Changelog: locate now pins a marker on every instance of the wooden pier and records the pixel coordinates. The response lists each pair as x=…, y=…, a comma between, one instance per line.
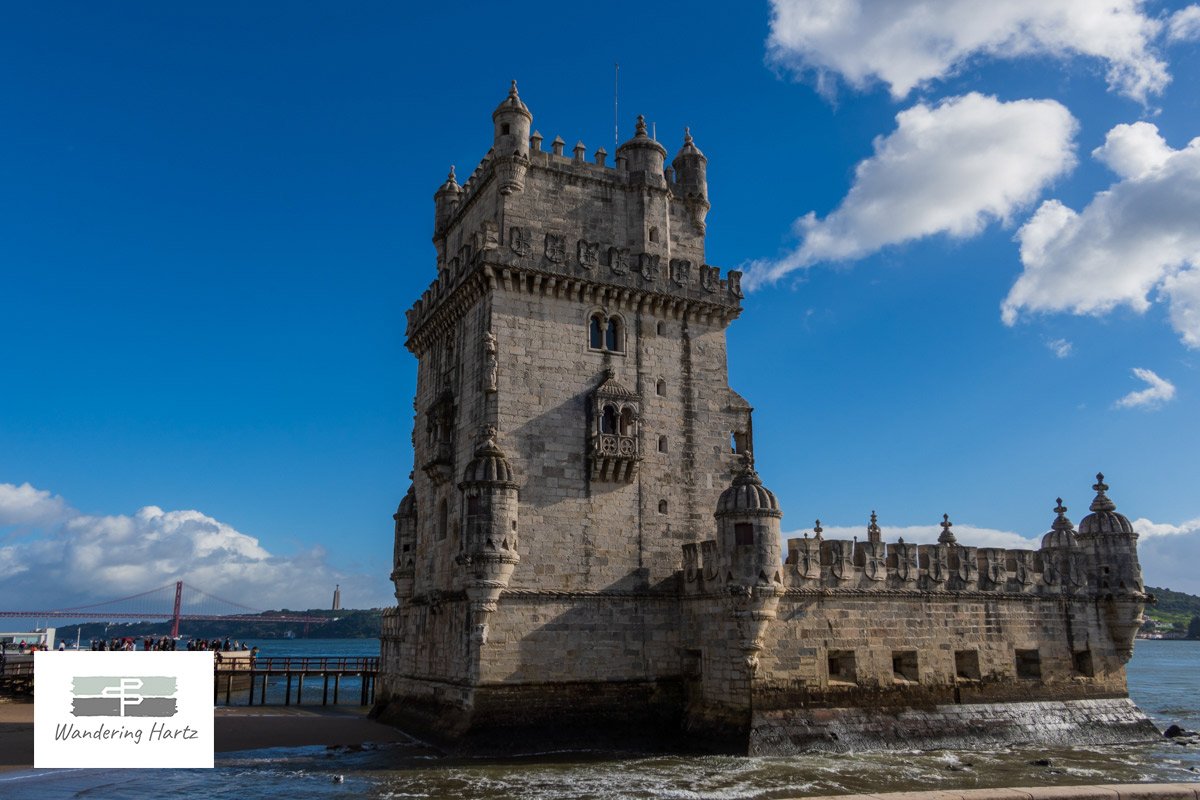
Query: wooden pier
x=230, y=680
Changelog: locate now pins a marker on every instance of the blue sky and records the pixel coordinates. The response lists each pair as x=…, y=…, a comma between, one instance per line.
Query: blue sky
x=971, y=233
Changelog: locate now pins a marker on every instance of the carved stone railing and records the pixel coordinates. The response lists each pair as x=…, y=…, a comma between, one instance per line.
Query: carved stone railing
x=614, y=457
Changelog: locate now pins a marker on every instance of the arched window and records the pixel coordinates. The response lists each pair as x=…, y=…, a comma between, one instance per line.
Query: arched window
x=608, y=420
x=662, y=506
x=443, y=519
x=743, y=534
x=660, y=328
x=662, y=444
x=627, y=422
x=614, y=336
x=596, y=332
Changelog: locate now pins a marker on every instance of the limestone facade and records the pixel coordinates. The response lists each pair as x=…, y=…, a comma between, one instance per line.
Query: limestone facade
x=586, y=547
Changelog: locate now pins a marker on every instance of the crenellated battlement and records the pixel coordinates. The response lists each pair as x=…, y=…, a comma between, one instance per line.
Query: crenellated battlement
x=527, y=216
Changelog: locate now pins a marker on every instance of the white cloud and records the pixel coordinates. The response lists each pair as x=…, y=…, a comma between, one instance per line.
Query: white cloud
x=1184, y=25
x=1136, y=239
x=75, y=559
x=1060, y=347
x=1147, y=529
x=1157, y=391
x=25, y=505
x=967, y=535
x=950, y=168
x=907, y=43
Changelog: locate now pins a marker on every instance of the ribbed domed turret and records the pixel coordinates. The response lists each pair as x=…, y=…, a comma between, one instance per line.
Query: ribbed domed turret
x=1061, y=535
x=408, y=506
x=687, y=152
x=1104, y=517
x=511, y=104
x=489, y=466
x=747, y=495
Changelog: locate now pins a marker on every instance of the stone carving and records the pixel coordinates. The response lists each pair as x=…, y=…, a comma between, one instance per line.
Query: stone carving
x=491, y=362
x=735, y=284
x=681, y=271
x=968, y=564
x=589, y=254
x=808, y=558
x=488, y=237
x=841, y=561
x=994, y=570
x=1024, y=570
x=938, y=568
x=520, y=241
x=691, y=562
x=618, y=260
x=906, y=562
x=875, y=562
x=556, y=248
x=710, y=560
x=710, y=278
x=648, y=266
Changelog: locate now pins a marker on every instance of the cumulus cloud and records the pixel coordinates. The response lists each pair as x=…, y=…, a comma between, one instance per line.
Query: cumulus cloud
x=1158, y=391
x=907, y=43
x=1134, y=242
x=950, y=168
x=1184, y=25
x=24, y=505
x=72, y=559
x=1060, y=347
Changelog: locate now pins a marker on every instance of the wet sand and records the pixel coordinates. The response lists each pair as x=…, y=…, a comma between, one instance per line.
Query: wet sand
x=236, y=729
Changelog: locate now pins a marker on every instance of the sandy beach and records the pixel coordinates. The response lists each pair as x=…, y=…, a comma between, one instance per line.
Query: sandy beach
x=236, y=729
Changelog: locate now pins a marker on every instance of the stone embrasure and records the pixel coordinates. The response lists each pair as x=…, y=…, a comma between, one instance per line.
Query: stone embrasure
x=587, y=553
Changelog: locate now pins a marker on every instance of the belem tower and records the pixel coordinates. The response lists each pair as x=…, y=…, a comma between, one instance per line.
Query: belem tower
x=586, y=552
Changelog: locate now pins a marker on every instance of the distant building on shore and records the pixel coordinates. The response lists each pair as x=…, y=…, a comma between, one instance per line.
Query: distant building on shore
x=337, y=597
x=587, y=550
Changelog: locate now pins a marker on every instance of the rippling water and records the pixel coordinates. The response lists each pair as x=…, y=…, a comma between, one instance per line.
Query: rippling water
x=1162, y=680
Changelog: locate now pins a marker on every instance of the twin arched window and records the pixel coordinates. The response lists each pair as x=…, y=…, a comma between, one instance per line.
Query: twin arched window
x=622, y=422
x=606, y=333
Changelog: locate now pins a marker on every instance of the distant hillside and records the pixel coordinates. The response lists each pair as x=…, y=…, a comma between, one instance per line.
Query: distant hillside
x=344, y=624
x=1176, y=608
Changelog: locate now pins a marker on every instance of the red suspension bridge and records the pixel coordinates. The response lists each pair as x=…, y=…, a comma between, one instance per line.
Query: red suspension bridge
x=154, y=605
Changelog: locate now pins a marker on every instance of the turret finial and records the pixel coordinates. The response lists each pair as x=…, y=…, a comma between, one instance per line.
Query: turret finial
x=1061, y=523
x=687, y=135
x=1102, y=501
x=817, y=530
x=873, y=531
x=946, y=537
x=512, y=92
x=450, y=178
x=640, y=130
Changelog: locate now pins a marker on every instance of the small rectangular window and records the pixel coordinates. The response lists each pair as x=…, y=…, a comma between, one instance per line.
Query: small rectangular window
x=904, y=666
x=743, y=533
x=1029, y=664
x=966, y=665
x=842, y=666
x=473, y=505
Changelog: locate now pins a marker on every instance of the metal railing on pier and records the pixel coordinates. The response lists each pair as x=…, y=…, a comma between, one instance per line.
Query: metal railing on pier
x=233, y=677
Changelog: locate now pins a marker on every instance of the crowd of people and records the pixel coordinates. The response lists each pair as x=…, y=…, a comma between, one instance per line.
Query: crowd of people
x=166, y=643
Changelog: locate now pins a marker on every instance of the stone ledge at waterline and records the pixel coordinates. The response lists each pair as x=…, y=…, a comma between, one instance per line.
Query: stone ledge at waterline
x=1116, y=791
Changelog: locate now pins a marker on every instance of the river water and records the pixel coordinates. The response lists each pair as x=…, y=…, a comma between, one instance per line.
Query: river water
x=1162, y=680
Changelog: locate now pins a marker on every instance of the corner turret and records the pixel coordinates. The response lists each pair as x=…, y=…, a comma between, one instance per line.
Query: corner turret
x=404, y=545
x=748, y=529
x=643, y=155
x=510, y=145
x=490, y=540
x=445, y=203
x=1110, y=542
x=691, y=179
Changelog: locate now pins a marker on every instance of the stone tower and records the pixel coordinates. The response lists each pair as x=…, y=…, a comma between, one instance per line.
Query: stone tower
x=586, y=553
x=573, y=428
